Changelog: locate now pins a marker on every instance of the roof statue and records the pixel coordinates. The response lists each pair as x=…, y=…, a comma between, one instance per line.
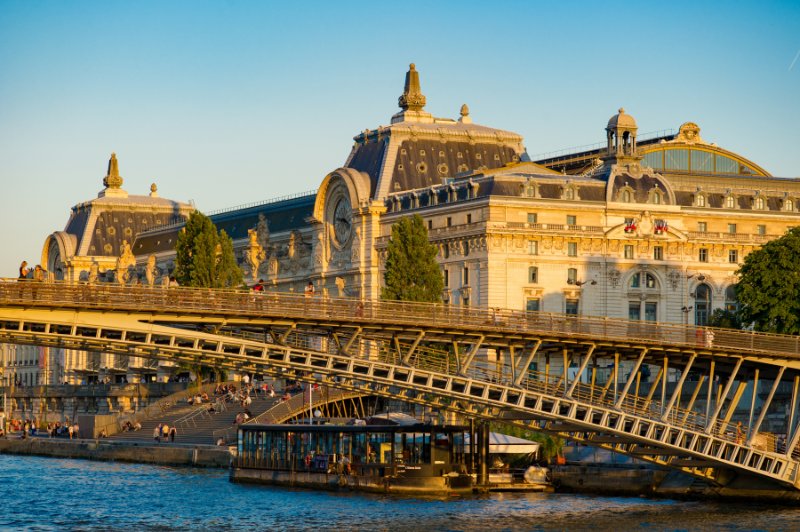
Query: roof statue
x=112, y=178
x=153, y=191
x=412, y=98
x=465, y=119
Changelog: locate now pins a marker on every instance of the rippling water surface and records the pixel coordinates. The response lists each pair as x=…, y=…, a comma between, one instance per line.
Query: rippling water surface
x=50, y=494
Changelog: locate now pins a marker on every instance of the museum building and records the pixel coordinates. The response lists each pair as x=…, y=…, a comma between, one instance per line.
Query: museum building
x=647, y=228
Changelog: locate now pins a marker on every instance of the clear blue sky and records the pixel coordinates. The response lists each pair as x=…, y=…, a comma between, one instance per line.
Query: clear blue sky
x=231, y=102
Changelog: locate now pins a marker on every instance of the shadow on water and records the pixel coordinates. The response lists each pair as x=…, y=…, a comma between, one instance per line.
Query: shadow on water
x=49, y=494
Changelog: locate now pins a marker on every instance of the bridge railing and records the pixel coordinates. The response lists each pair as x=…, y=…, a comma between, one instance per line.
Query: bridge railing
x=291, y=305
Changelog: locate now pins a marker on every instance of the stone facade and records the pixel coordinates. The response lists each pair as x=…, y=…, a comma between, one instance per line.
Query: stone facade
x=650, y=229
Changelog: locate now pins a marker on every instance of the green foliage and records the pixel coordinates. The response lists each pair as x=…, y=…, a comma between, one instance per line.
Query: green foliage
x=412, y=273
x=769, y=286
x=725, y=319
x=551, y=446
x=204, y=257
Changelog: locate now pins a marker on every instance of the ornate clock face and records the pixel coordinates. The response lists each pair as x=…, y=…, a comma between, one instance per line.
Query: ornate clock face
x=342, y=223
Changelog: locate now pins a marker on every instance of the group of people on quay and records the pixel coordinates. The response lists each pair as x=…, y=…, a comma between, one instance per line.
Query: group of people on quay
x=165, y=432
x=30, y=428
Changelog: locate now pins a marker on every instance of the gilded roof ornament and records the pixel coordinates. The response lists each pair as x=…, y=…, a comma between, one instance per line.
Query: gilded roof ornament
x=112, y=178
x=412, y=98
x=153, y=191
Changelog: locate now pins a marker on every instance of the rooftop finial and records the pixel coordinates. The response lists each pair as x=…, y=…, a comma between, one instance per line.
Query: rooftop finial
x=153, y=191
x=412, y=98
x=465, y=119
x=112, y=178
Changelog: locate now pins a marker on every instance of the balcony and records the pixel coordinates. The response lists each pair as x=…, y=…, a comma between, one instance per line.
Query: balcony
x=751, y=238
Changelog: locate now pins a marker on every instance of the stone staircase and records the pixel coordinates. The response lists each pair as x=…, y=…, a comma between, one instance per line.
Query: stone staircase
x=194, y=424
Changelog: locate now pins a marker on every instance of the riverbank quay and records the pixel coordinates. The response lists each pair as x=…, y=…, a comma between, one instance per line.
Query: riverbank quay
x=167, y=454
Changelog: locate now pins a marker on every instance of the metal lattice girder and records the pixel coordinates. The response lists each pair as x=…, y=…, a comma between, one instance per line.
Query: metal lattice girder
x=158, y=327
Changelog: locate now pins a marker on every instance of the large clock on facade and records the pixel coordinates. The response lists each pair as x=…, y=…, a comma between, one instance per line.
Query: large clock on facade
x=342, y=221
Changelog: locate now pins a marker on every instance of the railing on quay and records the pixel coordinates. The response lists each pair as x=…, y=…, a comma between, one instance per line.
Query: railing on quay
x=108, y=296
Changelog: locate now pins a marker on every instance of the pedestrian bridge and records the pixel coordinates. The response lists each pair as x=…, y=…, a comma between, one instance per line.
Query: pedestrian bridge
x=660, y=392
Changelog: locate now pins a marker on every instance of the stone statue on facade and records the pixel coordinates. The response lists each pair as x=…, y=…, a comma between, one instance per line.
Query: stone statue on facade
x=255, y=253
x=125, y=262
x=150, y=270
x=340, y=284
x=94, y=271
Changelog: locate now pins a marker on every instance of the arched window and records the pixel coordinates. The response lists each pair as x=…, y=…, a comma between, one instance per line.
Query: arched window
x=533, y=274
x=657, y=197
x=700, y=200
x=730, y=202
x=626, y=196
x=788, y=205
x=759, y=203
x=569, y=193
x=644, y=280
x=702, y=304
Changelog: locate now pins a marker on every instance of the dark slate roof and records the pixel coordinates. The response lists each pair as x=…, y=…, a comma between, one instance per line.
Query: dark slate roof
x=368, y=158
x=424, y=163
x=112, y=227
x=281, y=216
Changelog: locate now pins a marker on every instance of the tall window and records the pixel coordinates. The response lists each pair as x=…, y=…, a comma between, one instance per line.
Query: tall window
x=702, y=227
x=732, y=229
x=466, y=276
x=532, y=218
x=759, y=203
x=788, y=205
x=569, y=193
x=571, y=219
x=572, y=249
x=449, y=221
x=469, y=218
x=703, y=255
x=628, y=251
x=430, y=225
x=730, y=202
x=572, y=275
x=446, y=277
x=702, y=304
x=733, y=256
x=658, y=253
x=731, y=304
x=533, y=247
x=533, y=274
x=650, y=309
x=626, y=196
x=761, y=229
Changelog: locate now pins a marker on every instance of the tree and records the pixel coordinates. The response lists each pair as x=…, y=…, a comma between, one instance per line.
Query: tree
x=204, y=256
x=769, y=286
x=724, y=319
x=412, y=273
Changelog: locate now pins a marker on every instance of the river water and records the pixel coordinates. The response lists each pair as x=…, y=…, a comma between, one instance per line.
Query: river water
x=54, y=494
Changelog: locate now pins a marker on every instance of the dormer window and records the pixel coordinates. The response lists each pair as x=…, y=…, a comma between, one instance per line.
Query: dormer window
x=656, y=196
x=570, y=193
x=700, y=200
x=730, y=202
x=788, y=204
x=759, y=203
